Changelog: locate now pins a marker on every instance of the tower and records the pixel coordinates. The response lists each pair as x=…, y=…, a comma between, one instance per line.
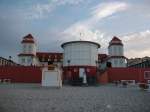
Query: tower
x=80, y=61
x=116, y=53
x=27, y=56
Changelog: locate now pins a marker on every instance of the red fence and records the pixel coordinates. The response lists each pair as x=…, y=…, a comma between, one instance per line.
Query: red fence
x=31, y=74
x=137, y=74
x=23, y=74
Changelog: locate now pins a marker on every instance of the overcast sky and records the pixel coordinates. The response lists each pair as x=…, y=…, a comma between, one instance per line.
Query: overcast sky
x=53, y=22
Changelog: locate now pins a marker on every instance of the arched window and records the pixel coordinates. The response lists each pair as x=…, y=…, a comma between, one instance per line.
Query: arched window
x=24, y=48
x=23, y=60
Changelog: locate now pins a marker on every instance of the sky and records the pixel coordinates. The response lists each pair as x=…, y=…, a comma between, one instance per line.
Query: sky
x=52, y=22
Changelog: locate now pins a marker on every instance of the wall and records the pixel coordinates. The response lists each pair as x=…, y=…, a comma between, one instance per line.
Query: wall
x=21, y=74
x=116, y=50
x=29, y=48
x=117, y=62
x=103, y=79
x=28, y=60
x=31, y=74
x=136, y=74
x=72, y=72
x=80, y=54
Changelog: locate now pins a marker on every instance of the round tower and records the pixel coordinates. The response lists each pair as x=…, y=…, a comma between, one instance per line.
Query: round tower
x=79, y=61
x=28, y=53
x=116, y=53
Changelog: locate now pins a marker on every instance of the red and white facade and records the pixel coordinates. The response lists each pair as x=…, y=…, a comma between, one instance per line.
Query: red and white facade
x=79, y=59
x=116, y=53
x=115, y=56
x=76, y=53
x=28, y=52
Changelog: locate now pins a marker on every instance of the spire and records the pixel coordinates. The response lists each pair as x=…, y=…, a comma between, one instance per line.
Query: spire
x=115, y=41
x=28, y=39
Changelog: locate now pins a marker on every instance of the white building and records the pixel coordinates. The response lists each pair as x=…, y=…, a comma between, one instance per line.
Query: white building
x=76, y=53
x=116, y=53
x=29, y=56
x=116, y=56
x=28, y=52
x=79, y=62
x=80, y=53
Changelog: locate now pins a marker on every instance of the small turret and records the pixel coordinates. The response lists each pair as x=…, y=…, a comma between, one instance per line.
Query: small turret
x=116, y=53
x=115, y=47
x=28, y=54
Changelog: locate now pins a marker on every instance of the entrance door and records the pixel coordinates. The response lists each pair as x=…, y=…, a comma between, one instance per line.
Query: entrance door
x=81, y=72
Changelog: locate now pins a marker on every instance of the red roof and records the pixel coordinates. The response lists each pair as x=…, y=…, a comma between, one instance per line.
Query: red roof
x=28, y=39
x=115, y=41
x=45, y=56
x=29, y=36
x=102, y=57
x=117, y=57
x=23, y=54
x=109, y=57
x=47, y=53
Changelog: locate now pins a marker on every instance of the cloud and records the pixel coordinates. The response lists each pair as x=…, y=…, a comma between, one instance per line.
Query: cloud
x=70, y=2
x=137, y=44
x=87, y=27
x=79, y=31
x=40, y=10
x=107, y=9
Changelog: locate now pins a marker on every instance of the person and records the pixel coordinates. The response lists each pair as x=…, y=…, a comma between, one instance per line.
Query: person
x=84, y=79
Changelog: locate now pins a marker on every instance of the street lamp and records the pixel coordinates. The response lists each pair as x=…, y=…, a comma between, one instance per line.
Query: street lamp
x=10, y=57
x=68, y=61
x=97, y=68
x=68, y=71
x=9, y=60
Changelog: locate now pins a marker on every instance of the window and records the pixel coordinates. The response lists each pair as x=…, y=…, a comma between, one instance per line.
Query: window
x=110, y=50
x=24, y=48
x=115, y=48
x=121, y=61
x=23, y=60
x=147, y=75
x=29, y=60
x=30, y=48
x=115, y=62
x=119, y=49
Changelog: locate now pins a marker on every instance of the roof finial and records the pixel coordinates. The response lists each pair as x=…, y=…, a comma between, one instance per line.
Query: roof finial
x=80, y=36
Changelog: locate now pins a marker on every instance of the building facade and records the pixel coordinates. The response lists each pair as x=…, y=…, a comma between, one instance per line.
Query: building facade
x=139, y=62
x=7, y=62
x=79, y=58
x=116, y=53
x=27, y=56
x=115, y=57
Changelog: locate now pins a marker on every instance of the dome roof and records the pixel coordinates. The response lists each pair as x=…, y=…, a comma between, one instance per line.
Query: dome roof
x=98, y=45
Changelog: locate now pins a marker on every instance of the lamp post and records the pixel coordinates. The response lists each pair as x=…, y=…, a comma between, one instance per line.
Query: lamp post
x=68, y=70
x=97, y=69
x=9, y=60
